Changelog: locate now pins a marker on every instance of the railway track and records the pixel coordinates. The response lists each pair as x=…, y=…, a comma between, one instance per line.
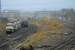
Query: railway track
x=18, y=37
x=66, y=42
x=69, y=41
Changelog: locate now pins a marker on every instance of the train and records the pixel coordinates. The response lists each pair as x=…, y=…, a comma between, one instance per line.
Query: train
x=14, y=24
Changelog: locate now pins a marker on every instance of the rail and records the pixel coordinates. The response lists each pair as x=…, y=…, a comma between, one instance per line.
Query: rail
x=62, y=44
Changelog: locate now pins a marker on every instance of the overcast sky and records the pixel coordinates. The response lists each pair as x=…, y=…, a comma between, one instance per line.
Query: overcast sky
x=32, y=5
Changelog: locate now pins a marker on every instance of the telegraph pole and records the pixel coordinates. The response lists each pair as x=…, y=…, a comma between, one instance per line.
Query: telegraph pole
x=0, y=8
x=0, y=5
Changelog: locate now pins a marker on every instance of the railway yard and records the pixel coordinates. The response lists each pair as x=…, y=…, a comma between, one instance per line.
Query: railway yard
x=37, y=24
x=17, y=39
x=37, y=34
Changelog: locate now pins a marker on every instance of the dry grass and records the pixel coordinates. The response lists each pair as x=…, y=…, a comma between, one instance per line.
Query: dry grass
x=49, y=32
x=2, y=26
